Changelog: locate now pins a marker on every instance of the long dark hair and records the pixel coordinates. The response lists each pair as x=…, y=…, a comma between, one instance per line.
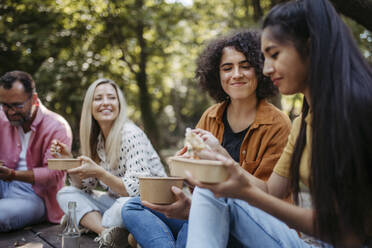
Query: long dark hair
x=340, y=84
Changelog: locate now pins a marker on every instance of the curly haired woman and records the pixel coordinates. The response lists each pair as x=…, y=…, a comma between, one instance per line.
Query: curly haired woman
x=253, y=131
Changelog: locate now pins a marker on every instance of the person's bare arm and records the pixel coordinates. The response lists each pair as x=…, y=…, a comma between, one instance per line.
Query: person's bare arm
x=115, y=183
x=25, y=176
x=90, y=169
x=9, y=174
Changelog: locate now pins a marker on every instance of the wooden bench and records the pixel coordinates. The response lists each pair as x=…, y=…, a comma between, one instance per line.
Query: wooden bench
x=43, y=235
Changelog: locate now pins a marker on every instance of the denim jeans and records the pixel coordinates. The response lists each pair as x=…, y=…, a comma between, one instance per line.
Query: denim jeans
x=19, y=206
x=151, y=228
x=212, y=219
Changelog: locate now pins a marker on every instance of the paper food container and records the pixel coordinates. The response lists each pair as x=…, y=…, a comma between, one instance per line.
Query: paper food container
x=63, y=163
x=157, y=190
x=206, y=171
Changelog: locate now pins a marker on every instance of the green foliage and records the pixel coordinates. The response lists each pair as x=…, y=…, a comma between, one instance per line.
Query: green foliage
x=148, y=47
x=363, y=38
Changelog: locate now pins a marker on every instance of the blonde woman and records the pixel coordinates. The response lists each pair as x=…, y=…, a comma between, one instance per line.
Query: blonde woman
x=115, y=152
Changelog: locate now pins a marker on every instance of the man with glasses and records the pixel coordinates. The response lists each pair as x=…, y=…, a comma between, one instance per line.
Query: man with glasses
x=27, y=187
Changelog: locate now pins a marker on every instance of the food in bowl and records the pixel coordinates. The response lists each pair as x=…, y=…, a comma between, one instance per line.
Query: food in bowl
x=194, y=143
x=206, y=171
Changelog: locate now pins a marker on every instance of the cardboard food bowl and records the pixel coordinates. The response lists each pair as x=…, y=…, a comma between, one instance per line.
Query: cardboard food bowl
x=157, y=190
x=63, y=163
x=206, y=171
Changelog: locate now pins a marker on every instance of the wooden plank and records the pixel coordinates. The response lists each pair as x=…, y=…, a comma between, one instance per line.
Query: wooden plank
x=52, y=235
x=43, y=235
x=24, y=238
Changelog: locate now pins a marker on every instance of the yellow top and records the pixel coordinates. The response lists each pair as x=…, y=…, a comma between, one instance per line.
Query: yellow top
x=282, y=167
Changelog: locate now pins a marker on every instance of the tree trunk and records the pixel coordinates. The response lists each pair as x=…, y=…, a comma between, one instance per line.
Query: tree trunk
x=275, y=2
x=246, y=8
x=149, y=122
x=258, y=13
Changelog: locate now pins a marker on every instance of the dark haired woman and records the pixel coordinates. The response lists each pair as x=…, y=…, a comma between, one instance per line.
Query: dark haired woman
x=307, y=49
x=252, y=131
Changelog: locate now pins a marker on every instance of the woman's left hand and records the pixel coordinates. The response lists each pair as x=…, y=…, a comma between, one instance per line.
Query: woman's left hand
x=237, y=184
x=87, y=169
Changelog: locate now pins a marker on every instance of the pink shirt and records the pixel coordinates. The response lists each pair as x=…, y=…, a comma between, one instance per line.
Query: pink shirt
x=46, y=126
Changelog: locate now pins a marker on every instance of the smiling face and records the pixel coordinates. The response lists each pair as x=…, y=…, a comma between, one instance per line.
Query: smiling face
x=284, y=65
x=17, y=104
x=238, y=77
x=105, y=105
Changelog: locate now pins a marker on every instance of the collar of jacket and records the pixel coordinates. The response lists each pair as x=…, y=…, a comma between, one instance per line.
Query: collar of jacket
x=263, y=114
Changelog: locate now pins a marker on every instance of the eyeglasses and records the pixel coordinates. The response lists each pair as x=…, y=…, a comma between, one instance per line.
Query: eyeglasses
x=14, y=106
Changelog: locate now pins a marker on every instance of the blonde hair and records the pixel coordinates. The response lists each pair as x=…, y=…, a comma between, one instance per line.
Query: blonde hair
x=89, y=128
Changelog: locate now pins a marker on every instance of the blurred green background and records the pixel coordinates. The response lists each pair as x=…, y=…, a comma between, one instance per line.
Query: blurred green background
x=148, y=47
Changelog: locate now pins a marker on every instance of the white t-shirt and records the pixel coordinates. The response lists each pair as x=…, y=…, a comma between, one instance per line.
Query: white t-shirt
x=25, y=138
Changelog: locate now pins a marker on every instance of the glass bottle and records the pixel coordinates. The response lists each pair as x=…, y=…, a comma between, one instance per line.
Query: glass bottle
x=71, y=233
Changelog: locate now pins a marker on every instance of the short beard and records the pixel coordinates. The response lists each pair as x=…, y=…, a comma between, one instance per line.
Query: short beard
x=25, y=117
x=17, y=123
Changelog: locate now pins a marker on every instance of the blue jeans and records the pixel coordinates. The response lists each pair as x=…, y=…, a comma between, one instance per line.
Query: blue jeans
x=19, y=206
x=151, y=228
x=212, y=219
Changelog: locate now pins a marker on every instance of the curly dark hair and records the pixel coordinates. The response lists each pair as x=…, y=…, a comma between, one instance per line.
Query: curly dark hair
x=208, y=63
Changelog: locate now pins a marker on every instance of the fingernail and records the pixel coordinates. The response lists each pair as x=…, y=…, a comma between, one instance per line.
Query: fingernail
x=175, y=189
